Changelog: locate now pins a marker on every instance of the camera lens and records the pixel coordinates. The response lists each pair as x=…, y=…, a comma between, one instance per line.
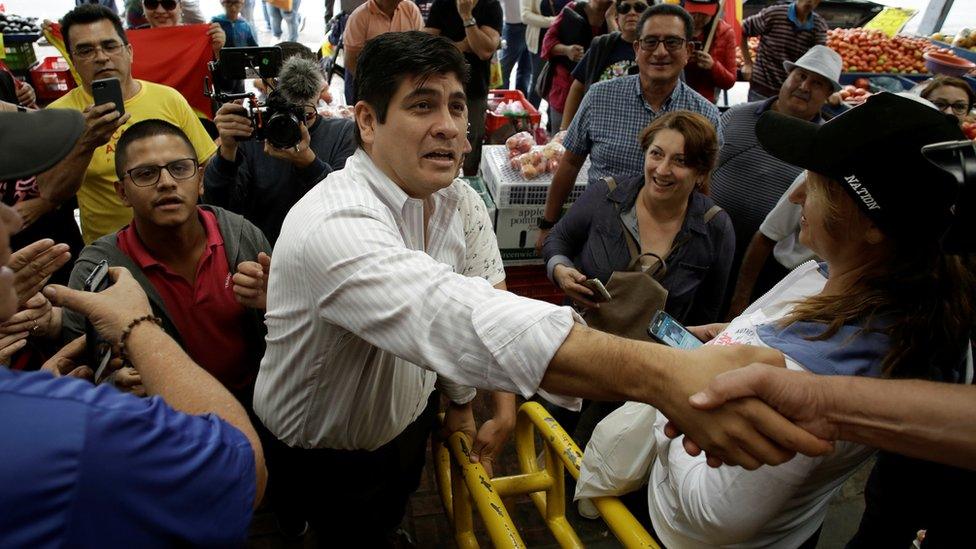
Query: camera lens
x=283, y=130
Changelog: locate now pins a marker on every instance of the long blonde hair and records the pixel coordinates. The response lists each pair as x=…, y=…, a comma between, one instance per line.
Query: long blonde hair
x=920, y=297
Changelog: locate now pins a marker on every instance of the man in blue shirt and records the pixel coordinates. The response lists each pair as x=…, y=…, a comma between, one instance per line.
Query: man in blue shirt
x=614, y=112
x=88, y=466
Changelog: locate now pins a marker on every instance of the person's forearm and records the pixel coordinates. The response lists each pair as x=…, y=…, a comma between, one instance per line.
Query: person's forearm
x=744, y=48
x=579, y=367
x=573, y=100
x=752, y=263
x=561, y=49
x=62, y=181
x=480, y=42
x=920, y=419
x=562, y=184
x=503, y=406
x=167, y=371
x=350, y=59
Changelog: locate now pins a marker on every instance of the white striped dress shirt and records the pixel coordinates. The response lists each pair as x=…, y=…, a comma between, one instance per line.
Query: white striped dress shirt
x=355, y=302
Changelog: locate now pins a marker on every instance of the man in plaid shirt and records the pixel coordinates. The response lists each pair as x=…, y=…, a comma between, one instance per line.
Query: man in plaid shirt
x=613, y=112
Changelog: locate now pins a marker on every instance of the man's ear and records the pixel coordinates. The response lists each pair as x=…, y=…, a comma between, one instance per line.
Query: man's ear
x=120, y=192
x=366, y=121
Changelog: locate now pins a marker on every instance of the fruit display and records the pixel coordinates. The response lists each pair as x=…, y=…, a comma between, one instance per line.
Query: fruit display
x=865, y=50
x=855, y=95
x=15, y=24
x=966, y=39
x=531, y=161
x=753, y=50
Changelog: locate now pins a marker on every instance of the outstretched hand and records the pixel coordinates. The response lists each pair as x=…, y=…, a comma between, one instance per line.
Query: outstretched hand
x=251, y=282
x=111, y=310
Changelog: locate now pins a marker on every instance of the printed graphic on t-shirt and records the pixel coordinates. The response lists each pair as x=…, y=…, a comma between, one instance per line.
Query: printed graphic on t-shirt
x=620, y=68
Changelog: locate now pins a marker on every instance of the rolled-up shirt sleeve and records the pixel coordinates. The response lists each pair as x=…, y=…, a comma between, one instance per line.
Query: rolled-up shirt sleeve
x=405, y=302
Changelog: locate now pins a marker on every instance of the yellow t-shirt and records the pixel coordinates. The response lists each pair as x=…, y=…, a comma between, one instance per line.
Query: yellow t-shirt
x=101, y=210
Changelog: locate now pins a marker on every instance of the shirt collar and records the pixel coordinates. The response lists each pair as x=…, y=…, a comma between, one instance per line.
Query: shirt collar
x=791, y=15
x=144, y=258
x=391, y=193
x=678, y=91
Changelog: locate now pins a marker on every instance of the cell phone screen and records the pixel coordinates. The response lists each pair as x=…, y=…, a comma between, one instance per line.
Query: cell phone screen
x=669, y=331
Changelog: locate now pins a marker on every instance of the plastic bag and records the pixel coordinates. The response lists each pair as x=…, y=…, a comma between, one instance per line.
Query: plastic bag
x=618, y=458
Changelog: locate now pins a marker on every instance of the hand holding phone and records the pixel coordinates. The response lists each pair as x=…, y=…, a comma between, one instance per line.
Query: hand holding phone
x=600, y=293
x=97, y=349
x=109, y=90
x=667, y=330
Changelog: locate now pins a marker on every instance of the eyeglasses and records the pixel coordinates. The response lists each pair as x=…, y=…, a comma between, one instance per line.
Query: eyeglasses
x=638, y=7
x=310, y=112
x=959, y=108
x=147, y=176
x=168, y=5
x=671, y=43
x=88, y=51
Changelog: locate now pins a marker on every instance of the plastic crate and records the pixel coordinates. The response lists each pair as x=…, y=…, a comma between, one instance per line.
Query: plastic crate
x=531, y=282
x=496, y=122
x=510, y=189
x=52, y=78
x=20, y=56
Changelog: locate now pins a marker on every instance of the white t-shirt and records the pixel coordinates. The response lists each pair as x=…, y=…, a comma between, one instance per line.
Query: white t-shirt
x=782, y=225
x=694, y=505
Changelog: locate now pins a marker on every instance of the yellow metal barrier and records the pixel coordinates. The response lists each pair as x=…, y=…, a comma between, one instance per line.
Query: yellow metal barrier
x=545, y=485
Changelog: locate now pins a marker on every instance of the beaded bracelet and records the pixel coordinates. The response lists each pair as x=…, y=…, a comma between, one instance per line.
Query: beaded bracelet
x=128, y=330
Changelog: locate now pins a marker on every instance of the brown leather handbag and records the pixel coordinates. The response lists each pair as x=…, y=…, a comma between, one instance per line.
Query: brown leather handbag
x=636, y=293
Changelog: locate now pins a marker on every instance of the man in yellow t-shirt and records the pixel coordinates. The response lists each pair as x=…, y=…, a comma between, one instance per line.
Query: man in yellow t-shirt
x=98, y=47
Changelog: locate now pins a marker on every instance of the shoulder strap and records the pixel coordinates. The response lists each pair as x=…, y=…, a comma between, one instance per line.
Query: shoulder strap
x=632, y=246
x=712, y=212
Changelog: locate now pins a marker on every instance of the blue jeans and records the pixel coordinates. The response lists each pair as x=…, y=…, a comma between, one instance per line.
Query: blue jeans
x=515, y=53
x=290, y=17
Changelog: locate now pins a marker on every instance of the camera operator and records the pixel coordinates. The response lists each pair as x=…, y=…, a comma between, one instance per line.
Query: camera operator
x=262, y=182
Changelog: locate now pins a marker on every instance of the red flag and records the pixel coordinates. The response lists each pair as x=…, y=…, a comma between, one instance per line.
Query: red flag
x=733, y=16
x=176, y=57
x=173, y=56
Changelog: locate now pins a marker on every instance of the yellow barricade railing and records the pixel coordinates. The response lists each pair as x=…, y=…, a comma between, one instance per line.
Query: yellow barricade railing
x=459, y=479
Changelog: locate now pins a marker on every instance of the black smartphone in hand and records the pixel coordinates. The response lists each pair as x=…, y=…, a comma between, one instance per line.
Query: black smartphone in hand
x=97, y=349
x=109, y=90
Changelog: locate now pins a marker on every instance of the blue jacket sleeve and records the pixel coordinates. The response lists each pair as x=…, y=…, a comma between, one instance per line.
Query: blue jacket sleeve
x=569, y=236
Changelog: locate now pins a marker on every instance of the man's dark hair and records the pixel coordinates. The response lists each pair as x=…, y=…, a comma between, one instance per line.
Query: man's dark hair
x=89, y=13
x=672, y=10
x=391, y=58
x=142, y=130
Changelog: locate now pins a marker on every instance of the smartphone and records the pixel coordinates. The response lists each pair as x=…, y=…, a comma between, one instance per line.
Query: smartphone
x=600, y=291
x=697, y=46
x=667, y=330
x=98, y=350
x=109, y=90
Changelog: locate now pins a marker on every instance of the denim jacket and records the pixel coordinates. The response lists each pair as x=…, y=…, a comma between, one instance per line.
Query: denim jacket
x=590, y=238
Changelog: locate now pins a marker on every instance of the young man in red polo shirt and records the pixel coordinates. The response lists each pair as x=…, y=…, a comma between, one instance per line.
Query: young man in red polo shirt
x=184, y=257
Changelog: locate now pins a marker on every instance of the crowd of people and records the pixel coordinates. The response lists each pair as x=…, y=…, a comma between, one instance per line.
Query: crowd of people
x=290, y=320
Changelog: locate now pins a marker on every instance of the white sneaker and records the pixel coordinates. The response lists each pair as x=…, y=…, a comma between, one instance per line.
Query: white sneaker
x=587, y=510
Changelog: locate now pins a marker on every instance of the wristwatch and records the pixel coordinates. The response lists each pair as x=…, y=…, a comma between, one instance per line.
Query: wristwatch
x=470, y=22
x=544, y=223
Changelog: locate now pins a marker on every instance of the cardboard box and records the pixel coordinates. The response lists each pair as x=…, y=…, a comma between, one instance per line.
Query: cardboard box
x=517, y=230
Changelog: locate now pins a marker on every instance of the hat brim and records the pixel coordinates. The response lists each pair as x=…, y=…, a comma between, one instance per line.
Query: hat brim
x=32, y=142
x=789, y=66
x=790, y=139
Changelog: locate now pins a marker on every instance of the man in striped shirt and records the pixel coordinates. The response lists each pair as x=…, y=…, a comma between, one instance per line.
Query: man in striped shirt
x=785, y=31
x=748, y=181
x=368, y=306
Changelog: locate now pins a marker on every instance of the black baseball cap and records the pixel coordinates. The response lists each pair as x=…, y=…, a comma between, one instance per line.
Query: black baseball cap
x=875, y=152
x=31, y=142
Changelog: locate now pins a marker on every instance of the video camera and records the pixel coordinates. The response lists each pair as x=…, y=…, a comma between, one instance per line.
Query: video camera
x=276, y=120
x=959, y=159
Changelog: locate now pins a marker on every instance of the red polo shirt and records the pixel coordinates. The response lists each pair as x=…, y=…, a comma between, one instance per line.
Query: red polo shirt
x=209, y=319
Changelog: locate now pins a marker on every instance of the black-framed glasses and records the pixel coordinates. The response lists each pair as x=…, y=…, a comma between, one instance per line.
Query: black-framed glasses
x=310, y=112
x=147, y=176
x=960, y=107
x=638, y=7
x=671, y=43
x=168, y=5
x=89, y=51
